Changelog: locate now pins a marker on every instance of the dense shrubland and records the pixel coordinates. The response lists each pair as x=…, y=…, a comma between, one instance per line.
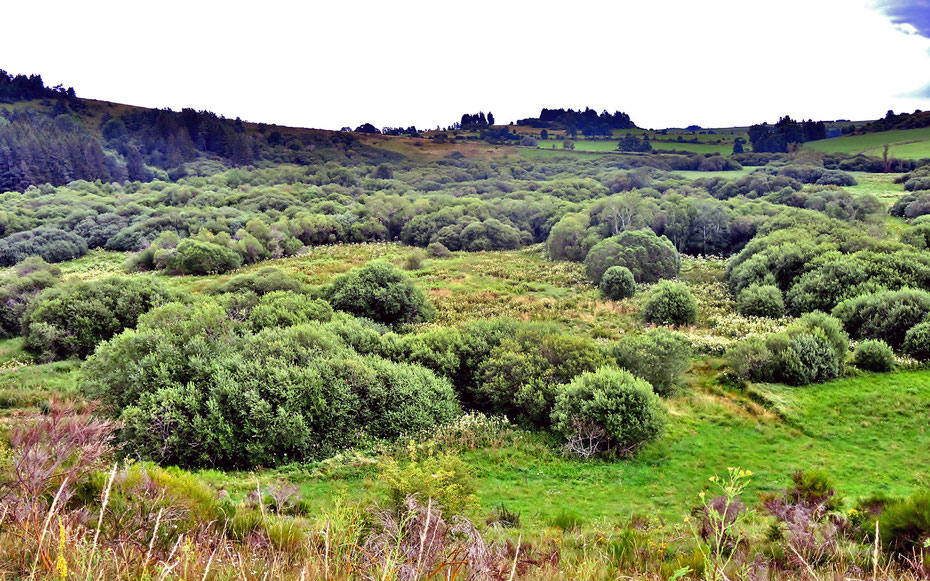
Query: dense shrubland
x=264, y=373
x=72, y=318
x=458, y=203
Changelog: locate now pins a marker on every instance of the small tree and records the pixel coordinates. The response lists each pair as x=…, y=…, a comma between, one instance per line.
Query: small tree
x=618, y=283
x=608, y=411
x=874, y=355
x=382, y=293
x=671, y=303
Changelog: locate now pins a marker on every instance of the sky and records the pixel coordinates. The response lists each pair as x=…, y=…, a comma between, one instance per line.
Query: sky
x=715, y=63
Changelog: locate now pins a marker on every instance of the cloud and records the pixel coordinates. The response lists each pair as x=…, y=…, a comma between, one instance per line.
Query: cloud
x=921, y=93
x=908, y=16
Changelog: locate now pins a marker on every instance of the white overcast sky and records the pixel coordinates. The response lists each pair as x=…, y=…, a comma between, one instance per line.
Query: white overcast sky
x=424, y=63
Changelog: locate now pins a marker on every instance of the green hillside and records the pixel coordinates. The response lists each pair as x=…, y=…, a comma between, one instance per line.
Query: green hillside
x=903, y=143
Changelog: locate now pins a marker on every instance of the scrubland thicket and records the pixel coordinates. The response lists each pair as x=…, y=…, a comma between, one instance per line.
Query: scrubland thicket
x=337, y=362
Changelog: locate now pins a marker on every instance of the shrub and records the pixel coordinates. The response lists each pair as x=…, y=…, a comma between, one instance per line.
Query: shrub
x=440, y=476
x=261, y=282
x=814, y=488
x=438, y=250
x=198, y=257
x=875, y=355
x=829, y=328
x=803, y=358
x=51, y=244
x=414, y=260
x=761, y=301
x=618, y=283
x=521, y=377
x=437, y=350
x=362, y=335
x=670, y=303
x=885, y=315
x=608, y=411
x=381, y=293
x=647, y=256
x=750, y=359
x=660, y=356
x=27, y=279
x=196, y=388
x=904, y=525
x=71, y=319
x=285, y=308
x=566, y=239
x=917, y=342
x=810, y=351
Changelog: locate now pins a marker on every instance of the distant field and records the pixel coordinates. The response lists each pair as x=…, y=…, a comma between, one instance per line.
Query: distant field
x=880, y=185
x=905, y=143
x=609, y=145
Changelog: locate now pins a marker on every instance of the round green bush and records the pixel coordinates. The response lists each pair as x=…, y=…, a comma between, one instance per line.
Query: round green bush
x=761, y=301
x=285, y=308
x=874, y=355
x=917, y=342
x=260, y=282
x=803, y=359
x=521, y=377
x=566, y=239
x=438, y=250
x=52, y=244
x=649, y=257
x=382, y=293
x=70, y=319
x=750, y=360
x=198, y=257
x=618, y=283
x=885, y=315
x=660, y=356
x=414, y=260
x=670, y=303
x=620, y=410
x=829, y=328
x=19, y=287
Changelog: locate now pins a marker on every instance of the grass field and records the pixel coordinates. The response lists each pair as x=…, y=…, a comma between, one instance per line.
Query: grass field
x=906, y=143
x=880, y=185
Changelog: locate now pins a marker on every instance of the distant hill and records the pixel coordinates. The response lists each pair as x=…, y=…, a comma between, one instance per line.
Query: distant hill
x=588, y=122
x=50, y=135
x=916, y=120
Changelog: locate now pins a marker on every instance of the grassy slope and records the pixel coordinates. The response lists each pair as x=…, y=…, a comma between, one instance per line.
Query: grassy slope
x=906, y=143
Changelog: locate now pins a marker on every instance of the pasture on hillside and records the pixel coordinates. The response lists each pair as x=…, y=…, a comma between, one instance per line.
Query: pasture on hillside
x=903, y=143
